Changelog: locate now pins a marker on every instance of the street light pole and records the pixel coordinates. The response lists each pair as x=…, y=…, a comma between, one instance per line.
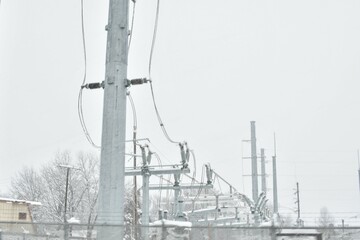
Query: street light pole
x=68, y=167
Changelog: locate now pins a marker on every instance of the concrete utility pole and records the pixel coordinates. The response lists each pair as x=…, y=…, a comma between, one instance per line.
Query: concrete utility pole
x=254, y=172
x=298, y=204
x=275, y=194
x=359, y=167
x=263, y=171
x=67, y=167
x=112, y=167
x=66, y=233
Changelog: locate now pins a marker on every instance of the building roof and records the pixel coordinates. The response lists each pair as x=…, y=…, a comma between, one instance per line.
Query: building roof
x=12, y=200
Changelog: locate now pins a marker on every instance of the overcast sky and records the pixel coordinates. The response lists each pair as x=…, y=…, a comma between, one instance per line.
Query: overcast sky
x=291, y=66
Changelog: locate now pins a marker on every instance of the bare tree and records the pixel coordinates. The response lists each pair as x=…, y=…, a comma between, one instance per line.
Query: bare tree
x=326, y=222
x=88, y=166
x=48, y=187
x=325, y=218
x=27, y=185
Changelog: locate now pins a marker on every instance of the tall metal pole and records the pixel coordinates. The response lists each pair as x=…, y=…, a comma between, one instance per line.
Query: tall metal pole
x=66, y=193
x=263, y=171
x=112, y=167
x=254, y=172
x=298, y=202
x=145, y=206
x=359, y=167
x=275, y=193
x=66, y=235
x=68, y=167
x=135, y=233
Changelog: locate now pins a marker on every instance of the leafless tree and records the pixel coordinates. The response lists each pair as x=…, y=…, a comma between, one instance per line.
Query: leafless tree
x=326, y=222
x=48, y=187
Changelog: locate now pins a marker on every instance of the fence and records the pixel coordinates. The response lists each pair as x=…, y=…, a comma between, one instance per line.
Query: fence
x=58, y=231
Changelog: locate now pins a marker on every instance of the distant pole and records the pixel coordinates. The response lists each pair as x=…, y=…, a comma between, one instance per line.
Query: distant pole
x=68, y=167
x=263, y=171
x=66, y=193
x=359, y=167
x=112, y=166
x=254, y=172
x=135, y=233
x=275, y=194
x=66, y=235
x=298, y=202
x=145, y=206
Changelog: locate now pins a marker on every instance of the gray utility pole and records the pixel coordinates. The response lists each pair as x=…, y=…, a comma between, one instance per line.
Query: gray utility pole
x=359, y=166
x=275, y=194
x=112, y=167
x=298, y=204
x=263, y=171
x=254, y=172
x=66, y=235
x=68, y=167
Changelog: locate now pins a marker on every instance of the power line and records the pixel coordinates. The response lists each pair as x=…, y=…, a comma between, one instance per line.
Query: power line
x=132, y=24
x=150, y=67
x=133, y=111
x=159, y=117
x=80, y=104
x=154, y=36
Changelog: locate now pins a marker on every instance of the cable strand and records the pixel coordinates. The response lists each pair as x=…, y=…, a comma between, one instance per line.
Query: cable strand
x=80, y=104
x=154, y=36
x=132, y=25
x=162, y=126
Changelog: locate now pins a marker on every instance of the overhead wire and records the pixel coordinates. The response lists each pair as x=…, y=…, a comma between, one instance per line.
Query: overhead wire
x=161, y=177
x=80, y=104
x=161, y=123
x=149, y=74
x=202, y=180
x=154, y=36
x=194, y=159
x=133, y=110
x=132, y=25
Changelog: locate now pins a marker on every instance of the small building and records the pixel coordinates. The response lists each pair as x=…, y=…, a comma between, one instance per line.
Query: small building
x=13, y=212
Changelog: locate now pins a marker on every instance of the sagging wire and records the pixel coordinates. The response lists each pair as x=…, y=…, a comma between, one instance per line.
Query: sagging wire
x=161, y=177
x=132, y=25
x=80, y=107
x=149, y=77
x=154, y=36
x=202, y=180
x=162, y=126
x=216, y=177
x=133, y=111
x=194, y=159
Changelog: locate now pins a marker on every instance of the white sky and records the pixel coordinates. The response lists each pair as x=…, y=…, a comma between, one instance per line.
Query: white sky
x=292, y=66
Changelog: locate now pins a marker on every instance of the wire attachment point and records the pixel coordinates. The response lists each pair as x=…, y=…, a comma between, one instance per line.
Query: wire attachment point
x=93, y=85
x=136, y=81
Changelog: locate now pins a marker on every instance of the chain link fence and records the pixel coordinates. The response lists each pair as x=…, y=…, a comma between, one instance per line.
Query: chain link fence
x=58, y=231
